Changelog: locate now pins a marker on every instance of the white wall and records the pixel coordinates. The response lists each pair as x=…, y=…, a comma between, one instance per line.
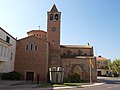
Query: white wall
x=103, y=71
x=7, y=52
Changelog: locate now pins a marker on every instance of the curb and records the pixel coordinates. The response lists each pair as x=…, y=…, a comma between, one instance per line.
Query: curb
x=95, y=84
x=70, y=87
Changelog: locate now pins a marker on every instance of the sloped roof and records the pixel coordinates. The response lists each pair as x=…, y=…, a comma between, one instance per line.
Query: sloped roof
x=7, y=33
x=54, y=9
x=36, y=31
x=33, y=37
x=75, y=46
x=101, y=59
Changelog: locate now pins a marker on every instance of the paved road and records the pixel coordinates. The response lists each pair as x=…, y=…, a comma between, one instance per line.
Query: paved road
x=110, y=84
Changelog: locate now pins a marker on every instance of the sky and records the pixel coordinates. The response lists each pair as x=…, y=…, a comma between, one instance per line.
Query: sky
x=96, y=22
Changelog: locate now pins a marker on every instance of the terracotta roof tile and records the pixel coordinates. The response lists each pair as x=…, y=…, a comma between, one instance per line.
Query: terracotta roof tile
x=101, y=58
x=36, y=31
x=75, y=46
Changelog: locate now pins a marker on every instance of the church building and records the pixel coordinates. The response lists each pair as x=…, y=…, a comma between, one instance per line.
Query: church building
x=40, y=50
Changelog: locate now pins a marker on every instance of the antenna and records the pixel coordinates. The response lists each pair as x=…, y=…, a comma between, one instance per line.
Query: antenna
x=39, y=27
x=88, y=44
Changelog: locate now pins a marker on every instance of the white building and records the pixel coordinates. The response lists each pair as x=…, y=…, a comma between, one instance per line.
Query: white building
x=103, y=66
x=7, y=51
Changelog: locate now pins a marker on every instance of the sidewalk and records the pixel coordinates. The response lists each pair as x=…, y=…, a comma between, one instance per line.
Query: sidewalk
x=8, y=83
x=24, y=84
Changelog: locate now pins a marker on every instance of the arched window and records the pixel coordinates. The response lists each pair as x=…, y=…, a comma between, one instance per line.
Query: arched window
x=85, y=54
x=49, y=43
x=56, y=16
x=27, y=47
x=36, y=47
x=69, y=52
x=80, y=52
x=74, y=54
x=31, y=46
x=51, y=16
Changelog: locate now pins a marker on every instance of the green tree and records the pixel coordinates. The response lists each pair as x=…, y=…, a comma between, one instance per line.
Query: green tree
x=115, y=66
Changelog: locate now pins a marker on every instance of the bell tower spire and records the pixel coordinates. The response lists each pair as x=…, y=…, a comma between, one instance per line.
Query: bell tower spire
x=54, y=9
x=53, y=27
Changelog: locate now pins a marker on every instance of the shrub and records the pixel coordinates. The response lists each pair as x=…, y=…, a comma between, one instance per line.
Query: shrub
x=84, y=81
x=11, y=76
x=73, y=78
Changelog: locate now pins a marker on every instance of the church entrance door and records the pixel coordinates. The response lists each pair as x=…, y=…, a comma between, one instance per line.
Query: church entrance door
x=29, y=76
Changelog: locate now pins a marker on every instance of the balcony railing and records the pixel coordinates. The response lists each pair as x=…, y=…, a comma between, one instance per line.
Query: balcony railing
x=73, y=56
x=3, y=59
x=102, y=67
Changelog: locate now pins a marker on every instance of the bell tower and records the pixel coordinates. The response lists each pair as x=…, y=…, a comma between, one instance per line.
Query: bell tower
x=53, y=33
x=54, y=27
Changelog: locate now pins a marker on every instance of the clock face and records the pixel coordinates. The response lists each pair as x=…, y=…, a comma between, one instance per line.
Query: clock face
x=53, y=29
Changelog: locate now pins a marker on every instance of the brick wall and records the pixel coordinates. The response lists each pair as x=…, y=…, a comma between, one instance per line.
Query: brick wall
x=32, y=60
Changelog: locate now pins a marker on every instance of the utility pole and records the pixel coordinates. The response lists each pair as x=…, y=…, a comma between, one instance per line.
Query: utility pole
x=90, y=71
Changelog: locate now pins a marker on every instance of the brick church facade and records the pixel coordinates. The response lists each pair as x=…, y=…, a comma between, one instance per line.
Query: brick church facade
x=40, y=50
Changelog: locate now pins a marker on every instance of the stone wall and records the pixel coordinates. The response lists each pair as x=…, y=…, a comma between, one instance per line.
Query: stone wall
x=80, y=66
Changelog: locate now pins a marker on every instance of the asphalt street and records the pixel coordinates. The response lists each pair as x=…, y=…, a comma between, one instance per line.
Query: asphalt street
x=110, y=84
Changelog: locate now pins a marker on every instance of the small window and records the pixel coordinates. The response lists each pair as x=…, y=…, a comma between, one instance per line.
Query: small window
x=69, y=52
x=31, y=46
x=27, y=47
x=11, y=56
x=53, y=42
x=36, y=47
x=7, y=39
x=4, y=52
x=80, y=52
x=85, y=54
x=56, y=16
x=64, y=54
x=51, y=16
x=74, y=54
x=49, y=43
x=106, y=72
